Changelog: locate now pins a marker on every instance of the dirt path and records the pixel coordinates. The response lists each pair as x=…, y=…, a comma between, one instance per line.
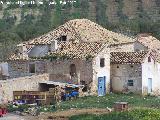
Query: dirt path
x=63, y=115
x=11, y=116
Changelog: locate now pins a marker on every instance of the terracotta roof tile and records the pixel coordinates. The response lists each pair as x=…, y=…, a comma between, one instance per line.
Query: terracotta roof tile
x=82, y=30
x=18, y=56
x=149, y=41
x=127, y=57
x=79, y=50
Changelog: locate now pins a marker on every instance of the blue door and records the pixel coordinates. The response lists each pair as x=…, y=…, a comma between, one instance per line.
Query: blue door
x=149, y=85
x=101, y=86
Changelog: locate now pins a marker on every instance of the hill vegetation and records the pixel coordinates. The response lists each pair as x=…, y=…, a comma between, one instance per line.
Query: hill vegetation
x=20, y=23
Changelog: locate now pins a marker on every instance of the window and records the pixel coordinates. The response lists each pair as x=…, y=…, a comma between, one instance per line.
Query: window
x=149, y=59
x=102, y=62
x=63, y=38
x=130, y=83
x=32, y=68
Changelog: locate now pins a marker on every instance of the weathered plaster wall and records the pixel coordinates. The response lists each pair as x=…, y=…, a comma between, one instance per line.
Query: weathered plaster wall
x=121, y=73
x=21, y=68
x=60, y=71
x=139, y=47
x=101, y=71
x=39, y=51
x=128, y=47
x=30, y=83
x=151, y=70
x=123, y=48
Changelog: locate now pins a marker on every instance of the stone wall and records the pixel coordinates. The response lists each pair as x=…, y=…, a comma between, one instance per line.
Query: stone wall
x=121, y=73
x=30, y=83
x=59, y=71
x=21, y=68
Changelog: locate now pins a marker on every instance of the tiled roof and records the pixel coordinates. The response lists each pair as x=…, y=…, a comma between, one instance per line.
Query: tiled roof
x=149, y=41
x=127, y=57
x=18, y=56
x=82, y=30
x=79, y=50
x=155, y=55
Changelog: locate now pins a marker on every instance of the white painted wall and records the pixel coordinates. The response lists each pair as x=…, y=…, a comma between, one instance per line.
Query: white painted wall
x=151, y=70
x=101, y=71
x=39, y=51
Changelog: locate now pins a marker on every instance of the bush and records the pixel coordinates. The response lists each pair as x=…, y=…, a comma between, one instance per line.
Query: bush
x=20, y=108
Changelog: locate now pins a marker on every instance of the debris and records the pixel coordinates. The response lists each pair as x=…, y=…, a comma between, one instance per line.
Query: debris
x=109, y=109
x=121, y=106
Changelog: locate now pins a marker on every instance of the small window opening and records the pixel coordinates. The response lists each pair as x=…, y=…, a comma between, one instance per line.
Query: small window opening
x=130, y=83
x=102, y=62
x=32, y=68
x=63, y=38
x=131, y=66
x=117, y=66
x=149, y=59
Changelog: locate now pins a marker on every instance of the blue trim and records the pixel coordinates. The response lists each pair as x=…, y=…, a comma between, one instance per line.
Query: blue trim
x=104, y=85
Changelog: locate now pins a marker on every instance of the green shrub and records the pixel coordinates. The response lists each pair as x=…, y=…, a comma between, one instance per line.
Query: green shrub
x=50, y=108
x=20, y=108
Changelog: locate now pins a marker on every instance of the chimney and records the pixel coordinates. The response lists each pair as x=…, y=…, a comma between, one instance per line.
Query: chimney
x=54, y=45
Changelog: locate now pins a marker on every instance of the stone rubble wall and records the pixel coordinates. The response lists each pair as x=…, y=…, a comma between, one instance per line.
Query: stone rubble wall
x=21, y=68
x=121, y=73
x=60, y=71
x=29, y=83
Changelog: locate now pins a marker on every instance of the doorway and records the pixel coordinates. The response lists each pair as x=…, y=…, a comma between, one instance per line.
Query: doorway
x=101, y=86
x=149, y=85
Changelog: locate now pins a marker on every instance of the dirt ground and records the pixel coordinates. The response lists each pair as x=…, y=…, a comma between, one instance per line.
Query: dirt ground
x=12, y=116
x=64, y=115
x=59, y=115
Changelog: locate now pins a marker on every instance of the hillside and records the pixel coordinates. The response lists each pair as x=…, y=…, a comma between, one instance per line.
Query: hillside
x=23, y=22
